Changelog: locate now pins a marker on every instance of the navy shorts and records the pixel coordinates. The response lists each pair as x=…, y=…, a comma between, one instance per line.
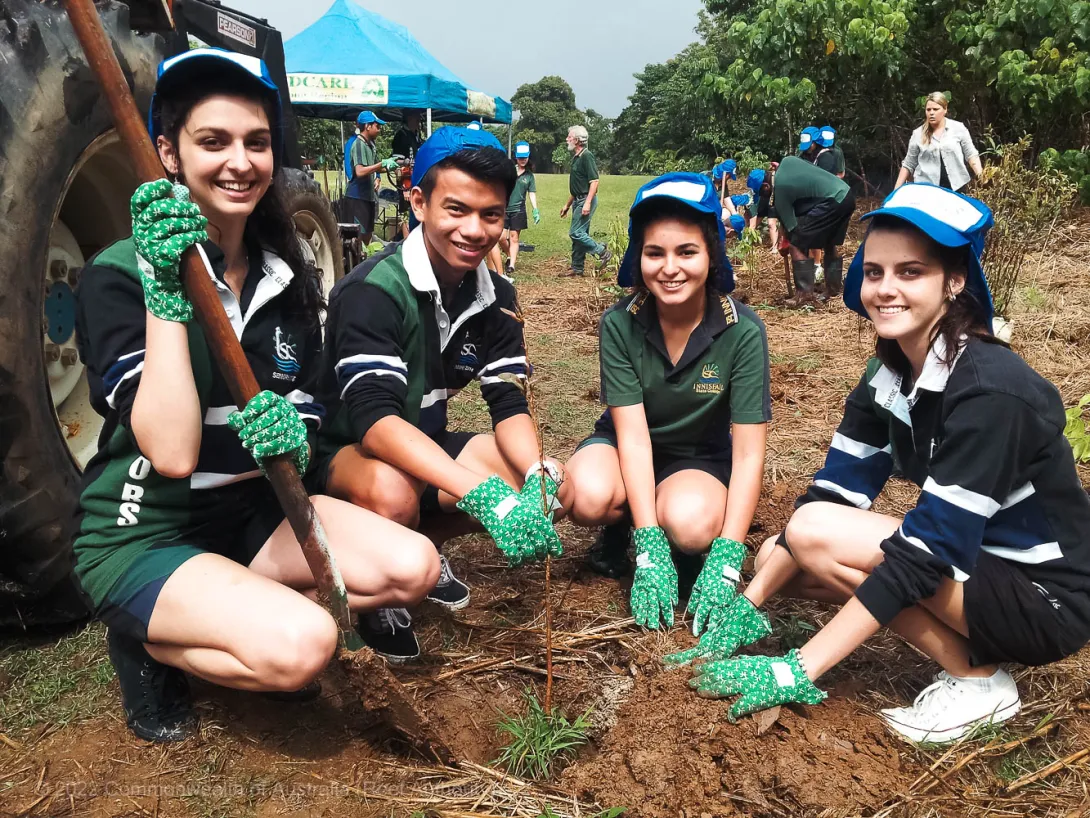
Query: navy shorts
x=240, y=522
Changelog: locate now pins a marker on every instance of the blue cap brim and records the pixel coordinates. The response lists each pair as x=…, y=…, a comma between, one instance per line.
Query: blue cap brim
x=943, y=234
x=709, y=207
x=179, y=70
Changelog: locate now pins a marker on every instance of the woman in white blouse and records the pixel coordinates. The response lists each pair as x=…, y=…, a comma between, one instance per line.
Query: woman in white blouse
x=940, y=149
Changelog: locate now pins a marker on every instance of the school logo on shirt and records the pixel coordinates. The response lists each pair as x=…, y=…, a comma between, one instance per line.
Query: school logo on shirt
x=285, y=356
x=709, y=382
x=467, y=360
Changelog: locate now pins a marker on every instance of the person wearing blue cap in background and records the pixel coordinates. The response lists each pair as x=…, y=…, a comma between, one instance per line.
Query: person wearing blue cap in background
x=829, y=156
x=406, y=331
x=727, y=169
x=583, y=187
x=760, y=182
x=362, y=164
x=679, y=453
x=993, y=562
x=515, y=221
x=182, y=546
x=808, y=143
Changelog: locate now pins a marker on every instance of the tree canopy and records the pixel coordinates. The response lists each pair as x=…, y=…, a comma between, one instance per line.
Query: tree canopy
x=764, y=69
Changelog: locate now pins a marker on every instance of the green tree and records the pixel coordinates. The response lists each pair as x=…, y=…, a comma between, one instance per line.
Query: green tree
x=546, y=111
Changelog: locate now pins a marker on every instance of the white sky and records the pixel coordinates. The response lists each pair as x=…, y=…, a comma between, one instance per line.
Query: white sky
x=596, y=45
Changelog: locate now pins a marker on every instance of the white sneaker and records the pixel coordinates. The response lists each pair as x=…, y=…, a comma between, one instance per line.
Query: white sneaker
x=819, y=274
x=950, y=707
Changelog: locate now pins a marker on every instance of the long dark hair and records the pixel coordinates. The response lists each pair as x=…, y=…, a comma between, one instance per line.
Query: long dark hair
x=270, y=226
x=660, y=208
x=964, y=314
x=529, y=165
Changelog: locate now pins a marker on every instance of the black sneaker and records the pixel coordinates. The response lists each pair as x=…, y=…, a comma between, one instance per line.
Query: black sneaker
x=449, y=591
x=510, y=267
x=389, y=633
x=609, y=554
x=155, y=696
x=604, y=259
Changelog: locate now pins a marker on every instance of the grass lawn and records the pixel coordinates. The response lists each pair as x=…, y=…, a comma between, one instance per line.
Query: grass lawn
x=550, y=238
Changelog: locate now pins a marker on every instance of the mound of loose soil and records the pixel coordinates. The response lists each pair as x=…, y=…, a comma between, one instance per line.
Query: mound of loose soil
x=686, y=758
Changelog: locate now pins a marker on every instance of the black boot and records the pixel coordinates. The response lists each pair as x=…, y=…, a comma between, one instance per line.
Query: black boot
x=155, y=696
x=834, y=275
x=609, y=554
x=803, y=272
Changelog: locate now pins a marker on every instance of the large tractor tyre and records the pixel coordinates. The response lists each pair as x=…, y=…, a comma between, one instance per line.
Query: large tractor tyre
x=65, y=184
x=316, y=225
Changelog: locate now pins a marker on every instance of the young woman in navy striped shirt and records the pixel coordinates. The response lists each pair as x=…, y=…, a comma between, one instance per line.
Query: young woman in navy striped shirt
x=993, y=563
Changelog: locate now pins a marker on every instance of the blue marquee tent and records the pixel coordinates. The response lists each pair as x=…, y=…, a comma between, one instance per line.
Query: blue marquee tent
x=352, y=59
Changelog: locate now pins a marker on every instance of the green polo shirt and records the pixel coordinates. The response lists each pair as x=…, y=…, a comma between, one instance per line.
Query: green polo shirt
x=584, y=170
x=839, y=159
x=523, y=185
x=721, y=378
x=798, y=186
x=363, y=187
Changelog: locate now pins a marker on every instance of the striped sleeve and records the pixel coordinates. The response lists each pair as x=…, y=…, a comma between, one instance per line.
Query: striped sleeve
x=372, y=376
x=986, y=445
x=860, y=458
x=504, y=367
x=110, y=330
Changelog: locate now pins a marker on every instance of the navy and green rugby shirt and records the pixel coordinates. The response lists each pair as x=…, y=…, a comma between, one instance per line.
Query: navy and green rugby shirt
x=984, y=441
x=126, y=506
x=394, y=348
x=721, y=378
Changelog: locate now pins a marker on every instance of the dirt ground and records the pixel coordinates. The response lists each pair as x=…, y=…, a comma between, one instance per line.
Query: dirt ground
x=656, y=748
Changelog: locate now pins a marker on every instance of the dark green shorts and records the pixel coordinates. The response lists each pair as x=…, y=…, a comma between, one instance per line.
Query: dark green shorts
x=249, y=514
x=717, y=464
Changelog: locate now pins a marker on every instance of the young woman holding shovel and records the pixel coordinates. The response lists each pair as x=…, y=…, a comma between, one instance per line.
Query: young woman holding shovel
x=993, y=563
x=678, y=456
x=182, y=547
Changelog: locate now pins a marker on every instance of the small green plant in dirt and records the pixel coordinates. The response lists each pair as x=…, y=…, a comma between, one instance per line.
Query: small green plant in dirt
x=540, y=741
x=1035, y=298
x=1020, y=762
x=740, y=251
x=1077, y=432
x=793, y=632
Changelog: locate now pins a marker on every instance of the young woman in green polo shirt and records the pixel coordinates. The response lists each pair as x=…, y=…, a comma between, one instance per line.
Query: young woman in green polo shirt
x=678, y=455
x=182, y=547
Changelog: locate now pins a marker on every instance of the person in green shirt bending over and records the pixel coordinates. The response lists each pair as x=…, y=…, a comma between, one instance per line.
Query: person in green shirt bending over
x=815, y=208
x=583, y=201
x=678, y=456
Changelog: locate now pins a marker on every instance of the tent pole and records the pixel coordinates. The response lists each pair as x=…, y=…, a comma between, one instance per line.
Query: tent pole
x=510, y=132
x=429, y=123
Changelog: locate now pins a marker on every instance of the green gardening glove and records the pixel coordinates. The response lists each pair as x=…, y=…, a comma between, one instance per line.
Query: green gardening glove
x=537, y=216
x=164, y=225
x=713, y=590
x=654, y=587
x=762, y=681
x=270, y=425
x=545, y=538
x=516, y=524
x=742, y=624
x=389, y=164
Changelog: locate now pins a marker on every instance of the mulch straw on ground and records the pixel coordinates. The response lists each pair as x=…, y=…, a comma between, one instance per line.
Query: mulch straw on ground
x=655, y=748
